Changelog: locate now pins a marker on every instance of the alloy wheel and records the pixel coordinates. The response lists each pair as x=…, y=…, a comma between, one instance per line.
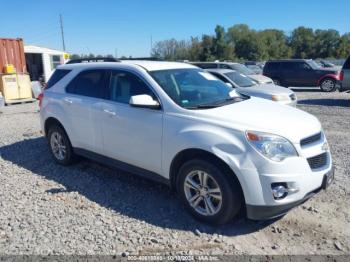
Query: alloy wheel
x=203, y=193
x=58, y=146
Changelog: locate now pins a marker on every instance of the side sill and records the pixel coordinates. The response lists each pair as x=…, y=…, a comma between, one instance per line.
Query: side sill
x=122, y=166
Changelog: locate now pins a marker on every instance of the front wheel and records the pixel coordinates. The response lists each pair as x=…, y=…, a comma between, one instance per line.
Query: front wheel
x=208, y=194
x=328, y=85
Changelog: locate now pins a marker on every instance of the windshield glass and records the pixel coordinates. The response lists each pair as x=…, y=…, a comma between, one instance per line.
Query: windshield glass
x=242, y=69
x=193, y=88
x=240, y=79
x=313, y=64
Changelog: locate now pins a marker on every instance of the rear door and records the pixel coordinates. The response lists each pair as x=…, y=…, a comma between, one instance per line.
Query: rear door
x=82, y=107
x=346, y=70
x=304, y=74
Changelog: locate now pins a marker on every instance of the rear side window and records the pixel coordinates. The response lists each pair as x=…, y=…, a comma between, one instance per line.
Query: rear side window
x=347, y=64
x=57, y=76
x=89, y=83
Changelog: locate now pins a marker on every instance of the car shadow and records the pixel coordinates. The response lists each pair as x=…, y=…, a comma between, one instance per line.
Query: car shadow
x=326, y=102
x=117, y=191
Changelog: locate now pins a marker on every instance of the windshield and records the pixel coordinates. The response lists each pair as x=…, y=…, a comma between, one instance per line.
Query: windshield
x=194, y=88
x=313, y=64
x=242, y=69
x=240, y=79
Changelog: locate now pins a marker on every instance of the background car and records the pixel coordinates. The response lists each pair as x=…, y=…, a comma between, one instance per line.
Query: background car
x=255, y=68
x=302, y=73
x=246, y=86
x=260, y=79
x=345, y=75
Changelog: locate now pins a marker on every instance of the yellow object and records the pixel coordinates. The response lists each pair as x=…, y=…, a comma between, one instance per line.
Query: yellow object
x=66, y=56
x=9, y=69
x=9, y=87
x=25, y=86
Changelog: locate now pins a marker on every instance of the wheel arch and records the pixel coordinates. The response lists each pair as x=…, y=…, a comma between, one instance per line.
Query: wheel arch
x=330, y=76
x=50, y=121
x=193, y=153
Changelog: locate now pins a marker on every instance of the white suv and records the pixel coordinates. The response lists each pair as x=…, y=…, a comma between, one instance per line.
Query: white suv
x=221, y=152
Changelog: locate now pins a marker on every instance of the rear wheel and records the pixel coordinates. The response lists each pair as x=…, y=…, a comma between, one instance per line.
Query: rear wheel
x=208, y=194
x=328, y=85
x=60, y=146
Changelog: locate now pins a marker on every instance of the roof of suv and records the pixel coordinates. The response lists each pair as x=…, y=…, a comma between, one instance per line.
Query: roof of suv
x=148, y=65
x=288, y=60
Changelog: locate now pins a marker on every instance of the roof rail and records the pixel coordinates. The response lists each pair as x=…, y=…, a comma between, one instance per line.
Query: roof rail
x=91, y=60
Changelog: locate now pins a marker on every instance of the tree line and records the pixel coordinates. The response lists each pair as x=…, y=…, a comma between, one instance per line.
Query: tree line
x=240, y=42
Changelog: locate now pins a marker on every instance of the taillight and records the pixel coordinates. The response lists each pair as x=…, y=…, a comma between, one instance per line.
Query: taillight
x=341, y=76
x=40, y=98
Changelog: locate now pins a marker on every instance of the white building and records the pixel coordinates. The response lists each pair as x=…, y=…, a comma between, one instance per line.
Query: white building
x=42, y=61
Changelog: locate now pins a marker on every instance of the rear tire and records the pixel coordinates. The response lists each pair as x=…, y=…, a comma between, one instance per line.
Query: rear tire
x=60, y=146
x=328, y=85
x=208, y=194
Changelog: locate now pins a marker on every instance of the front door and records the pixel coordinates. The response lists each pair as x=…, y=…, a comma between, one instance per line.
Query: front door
x=131, y=135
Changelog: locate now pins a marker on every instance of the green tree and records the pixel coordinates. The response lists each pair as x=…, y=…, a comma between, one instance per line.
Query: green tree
x=343, y=47
x=302, y=42
x=223, y=50
x=275, y=44
x=326, y=43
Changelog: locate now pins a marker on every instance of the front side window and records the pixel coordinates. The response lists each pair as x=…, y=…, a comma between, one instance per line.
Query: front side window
x=124, y=85
x=193, y=88
x=89, y=83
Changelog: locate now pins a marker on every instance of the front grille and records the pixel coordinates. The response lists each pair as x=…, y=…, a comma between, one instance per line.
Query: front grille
x=310, y=139
x=318, y=161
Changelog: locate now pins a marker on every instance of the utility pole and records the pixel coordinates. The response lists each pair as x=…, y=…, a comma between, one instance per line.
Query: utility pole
x=62, y=33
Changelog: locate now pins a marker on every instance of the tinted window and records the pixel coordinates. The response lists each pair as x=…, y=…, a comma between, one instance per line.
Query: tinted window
x=302, y=66
x=220, y=77
x=89, y=83
x=224, y=66
x=347, y=64
x=287, y=65
x=123, y=85
x=57, y=76
x=272, y=66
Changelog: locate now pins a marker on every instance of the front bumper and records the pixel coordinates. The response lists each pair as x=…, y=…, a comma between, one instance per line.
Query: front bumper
x=269, y=212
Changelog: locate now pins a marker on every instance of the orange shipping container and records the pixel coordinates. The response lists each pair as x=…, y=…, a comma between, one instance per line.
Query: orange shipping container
x=12, y=52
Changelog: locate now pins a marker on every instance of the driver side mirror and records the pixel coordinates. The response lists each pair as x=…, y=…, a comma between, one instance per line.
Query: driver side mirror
x=144, y=101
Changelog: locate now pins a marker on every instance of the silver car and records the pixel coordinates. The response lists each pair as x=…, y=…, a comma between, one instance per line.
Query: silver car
x=258, y=78
x=245, y=86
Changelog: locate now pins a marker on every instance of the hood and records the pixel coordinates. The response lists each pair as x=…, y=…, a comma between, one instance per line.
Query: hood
x=265, y=116
x=266, y=89
x=261, y=79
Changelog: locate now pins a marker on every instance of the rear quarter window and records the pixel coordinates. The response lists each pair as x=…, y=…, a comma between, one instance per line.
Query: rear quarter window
x=56, y=76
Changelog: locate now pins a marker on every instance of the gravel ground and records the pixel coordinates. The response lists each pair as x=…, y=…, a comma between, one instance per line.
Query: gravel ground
x=91, y=209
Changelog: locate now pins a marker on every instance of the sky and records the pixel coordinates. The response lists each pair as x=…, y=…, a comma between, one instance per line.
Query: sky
x=127, y=27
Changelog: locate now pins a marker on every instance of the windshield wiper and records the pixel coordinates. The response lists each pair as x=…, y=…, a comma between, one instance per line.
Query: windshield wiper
x=219, y=103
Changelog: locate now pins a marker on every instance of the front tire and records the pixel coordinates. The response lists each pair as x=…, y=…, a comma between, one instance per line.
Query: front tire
x=328, y=85
x=60, y=146
x=208, y=194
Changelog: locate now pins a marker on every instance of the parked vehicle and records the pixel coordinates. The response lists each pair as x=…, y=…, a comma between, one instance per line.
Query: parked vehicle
x=245, y=86
x=302, y=73
x=220, y=151
x=255, y=68
x=345, y=75
x=260, y=79
x=326, y=64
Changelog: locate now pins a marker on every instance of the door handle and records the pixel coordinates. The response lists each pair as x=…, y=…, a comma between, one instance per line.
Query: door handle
x=68, y=101
x=109, y=112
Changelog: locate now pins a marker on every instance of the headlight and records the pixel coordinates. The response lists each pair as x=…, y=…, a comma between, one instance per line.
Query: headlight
x=273, y=147
x=280, y=97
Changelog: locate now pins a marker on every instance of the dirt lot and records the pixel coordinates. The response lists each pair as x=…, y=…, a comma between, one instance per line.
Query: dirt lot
x=91, y=209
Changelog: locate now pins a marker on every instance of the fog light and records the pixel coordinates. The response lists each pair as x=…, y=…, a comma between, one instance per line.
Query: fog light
x=279, y=191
